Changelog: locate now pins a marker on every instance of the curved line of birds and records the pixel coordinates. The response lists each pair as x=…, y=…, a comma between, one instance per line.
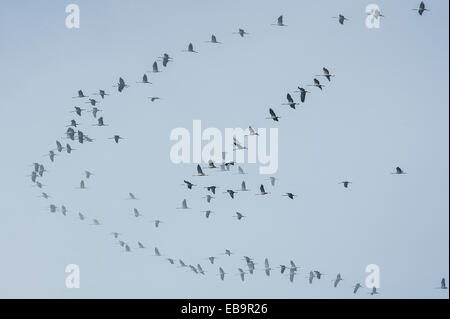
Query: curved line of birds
x=73, y=135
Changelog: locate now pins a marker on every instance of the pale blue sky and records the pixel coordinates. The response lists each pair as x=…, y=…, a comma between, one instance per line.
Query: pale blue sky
x=387, y=106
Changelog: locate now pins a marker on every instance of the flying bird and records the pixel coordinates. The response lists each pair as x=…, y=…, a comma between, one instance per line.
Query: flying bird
x=326, y=74
x=116, y=138
x=222, y=273
x=443, y=286
x=155, y=68
x=317, y=84
x=78, y=110
x=211, y=189
x=290, y=195
x=184, y=205
x=102, y=93
x=337, y=280
x=241, y=273
x=131, y=196
x=238, y=145
x=121, y=85
x=188, y=184
x=280, y=22
x=213, y=40
x=290, y=102
x=230, y=192
x=92, y=102
x=199, y=171
x=145, y=79
x=190, y=49
x=262, y=190
x=302, y=92
x=251, y=131
x=346, y=183
x=267, y=268
x=398, y=171
x=243, y=187
x=374, y=291
x=340, y=18
x=156, y=222
x=356, y=287
x=421, y=8
x=273, y=116
x=80, y=95
x=241, y=32
x=165, y=59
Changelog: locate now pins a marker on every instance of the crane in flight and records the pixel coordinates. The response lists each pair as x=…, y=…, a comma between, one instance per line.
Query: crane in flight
x=136, y=213
x=165, y=59
x=273, y=116
x=340, y=18
x=131, y=196
x=290, y=102
x=326, y=74
x=398, y=171
x=102, y=93
x=144, y=80
x=199, y=171
x=222, y=273
x=230, y=192
x=92, y=102
x=211, y=189
x=243, y=187
x=280, y=22
x=302, y=92
x=156, y=222
x=121, y=85
x=356, y=287
x=337, y=280
x=207, y=213
x=155, y=68
x=241, y=274
x=310, y=277
x=184, y=205
x=208, y=198
x=100, y=122
x=346, y=183
x=238, y=146
x=267, y=268
x=213, y=40
x=290, y=195
x=188, y=184
x=80, y=95
x=190, y=49
x=262, y=191
x=78, y=110
x=116, y=138
x=241, y=32
x=317, y=84
x=170, y=260
x=421, y=8
x=374, y=291
x=157, y=253
x=443, y=285
x=251, y=131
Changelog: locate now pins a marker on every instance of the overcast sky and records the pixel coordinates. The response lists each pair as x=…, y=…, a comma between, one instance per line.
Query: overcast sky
x=387, y=106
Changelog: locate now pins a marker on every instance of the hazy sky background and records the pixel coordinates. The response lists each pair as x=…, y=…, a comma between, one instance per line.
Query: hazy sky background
x=387, y=106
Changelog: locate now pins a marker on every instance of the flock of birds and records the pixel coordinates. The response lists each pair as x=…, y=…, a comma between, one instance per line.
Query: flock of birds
x=74, y=134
